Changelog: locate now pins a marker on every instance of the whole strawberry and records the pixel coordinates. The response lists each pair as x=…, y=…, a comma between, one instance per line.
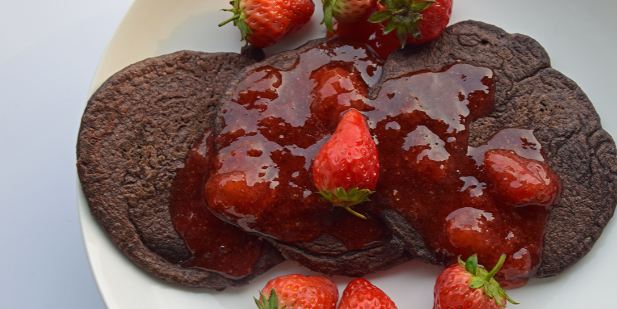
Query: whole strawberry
x=362, y=294
x=467, y=285
x=297, y=291
x=264, y=22
x=346, y=167
x=346, y=11
x=422, y=20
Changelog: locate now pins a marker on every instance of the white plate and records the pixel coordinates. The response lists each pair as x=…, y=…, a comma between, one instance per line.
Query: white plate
x=580, y=38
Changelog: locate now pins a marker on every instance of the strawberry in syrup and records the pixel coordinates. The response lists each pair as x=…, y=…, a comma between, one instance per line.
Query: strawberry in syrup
x=346, y=168
x=336, y=90
x=521, y=181
x=262, y=23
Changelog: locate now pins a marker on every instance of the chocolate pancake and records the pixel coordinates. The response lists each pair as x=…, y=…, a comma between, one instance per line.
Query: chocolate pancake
x=529, y=94
x=135, y=132
x=139, y=125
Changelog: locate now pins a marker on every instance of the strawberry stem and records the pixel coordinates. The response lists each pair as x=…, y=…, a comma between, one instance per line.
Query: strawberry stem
x=346, y=199
x=403, y=15
x=357, y=214
x=238, y=19
x=490, y=275
x=236, y=15
x=480, y=278
x=328, y=7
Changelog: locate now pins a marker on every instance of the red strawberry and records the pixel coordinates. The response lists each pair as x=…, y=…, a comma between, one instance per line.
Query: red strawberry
x=467, y=285
x=362, y=294
x=346, y=168
x=231, y=198
x=336, y=90
x=346, y=11
x=424, y=20
x=297, y=291
x=521, y=181
x=264, y=22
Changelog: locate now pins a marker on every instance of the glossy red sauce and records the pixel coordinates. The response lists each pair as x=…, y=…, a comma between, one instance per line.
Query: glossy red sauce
x=260, y=177
x=216, y=245
x=438, y=183
x=368, y=33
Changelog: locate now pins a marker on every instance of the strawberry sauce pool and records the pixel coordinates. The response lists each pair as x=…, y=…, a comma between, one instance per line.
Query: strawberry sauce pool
x=216, y=245
x=259, y=175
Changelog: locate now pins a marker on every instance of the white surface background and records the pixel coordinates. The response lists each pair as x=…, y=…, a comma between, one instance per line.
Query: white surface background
x=49, y=51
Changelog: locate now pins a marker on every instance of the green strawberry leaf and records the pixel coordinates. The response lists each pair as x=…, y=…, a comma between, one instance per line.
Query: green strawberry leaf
x=238, y=19
x=420, y=6
x=390, y=26
x=267, y=303
x=328, y=6
x=380, y=16
x=404, y=16
x=274, y=303
x=346, y=199
x=480, y=278
x=504, y=295
x=472, y=264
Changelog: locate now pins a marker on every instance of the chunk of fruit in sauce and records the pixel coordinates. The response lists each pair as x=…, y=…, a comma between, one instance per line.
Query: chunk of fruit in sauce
x=336, y=89
x=369, y=34
x=216, y=245
x=420, y=121
x=520, y=181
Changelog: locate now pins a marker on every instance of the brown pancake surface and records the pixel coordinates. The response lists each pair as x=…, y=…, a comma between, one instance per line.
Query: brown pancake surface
x=135, y=133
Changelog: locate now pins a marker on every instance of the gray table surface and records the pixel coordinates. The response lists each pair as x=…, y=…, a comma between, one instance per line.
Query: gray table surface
x=48, y=55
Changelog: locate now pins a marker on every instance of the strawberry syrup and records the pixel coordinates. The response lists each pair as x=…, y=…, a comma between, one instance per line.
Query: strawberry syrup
x=216, y=245
x=368, y=33
x=261, y=167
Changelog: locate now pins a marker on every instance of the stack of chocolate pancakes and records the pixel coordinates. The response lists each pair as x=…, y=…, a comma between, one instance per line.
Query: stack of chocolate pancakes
x=150, y=123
